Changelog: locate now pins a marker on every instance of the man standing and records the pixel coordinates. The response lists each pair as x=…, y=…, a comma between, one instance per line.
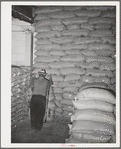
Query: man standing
x=40, y=87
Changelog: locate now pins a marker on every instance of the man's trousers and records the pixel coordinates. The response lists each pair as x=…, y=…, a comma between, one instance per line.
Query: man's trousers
x=37, y=111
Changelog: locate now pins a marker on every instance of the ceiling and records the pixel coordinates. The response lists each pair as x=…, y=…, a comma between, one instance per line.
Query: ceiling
x=24, y=13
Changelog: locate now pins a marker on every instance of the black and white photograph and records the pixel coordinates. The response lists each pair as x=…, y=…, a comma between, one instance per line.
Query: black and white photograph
x=63, y=75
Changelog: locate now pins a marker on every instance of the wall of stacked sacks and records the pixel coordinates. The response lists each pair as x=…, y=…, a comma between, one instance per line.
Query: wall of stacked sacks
x=20, y=94
x=77, y=45
x=94, y=118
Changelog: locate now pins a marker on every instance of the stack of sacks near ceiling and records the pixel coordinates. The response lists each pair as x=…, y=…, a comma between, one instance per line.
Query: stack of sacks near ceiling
x=94, y=118
x=20, y=94
x=77, y=46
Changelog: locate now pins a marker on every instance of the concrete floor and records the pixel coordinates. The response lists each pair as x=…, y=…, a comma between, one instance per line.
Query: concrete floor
x=52, y=132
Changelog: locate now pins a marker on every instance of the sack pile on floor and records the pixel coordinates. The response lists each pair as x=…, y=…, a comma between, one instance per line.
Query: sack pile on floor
x=20, y=94
x=93, y=120
x=77, y=46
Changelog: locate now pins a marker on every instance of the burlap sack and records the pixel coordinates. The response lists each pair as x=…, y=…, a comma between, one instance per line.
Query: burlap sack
x=90, y=65
x=102, y=8
x=73, y=58
x=100, y=33
x=58, y=96
x=57, y=53
x=115, y=111
x=72, y=8
x=68, y=108
x=71, y=77
x=101, y=128
x=114, y=72
x=43, y=41
x=113, y=87
x=58, y=110
x=40, y=65
x=110, y=66
x=51, y=105
x=97, y=94
x=100, y=20
x=58, y=114
x=42, y=17
x=99, y=73
x=91, y=138
x=87, y=13
x=73, y=26
x=53, y=71
x=58, y=65
x=71, y=89
x=107, y=39
x=74, y=47
x=72, y=70
x=86, y=40
x=94, y=85
x=109, y=15
x=104, y=53
x=94, y=115
x=48, y=47
x=100, y=59
x=58, y=104
x=57, y=78
x=62, y=40
x=49, y=34
x=62, y=15
x=67, y=102
x=48, y=22
x=72, y=140
x=91, y=79
x=69, y=96
x=100, y=46
x=87, y=26
x=113, y=55
x=75, y=20
x=58, y=27
x=47, y=9
x=42, y=53
x=67, y=114
x=73, y=52
x=103, y=26
x=47, y=59
x=88, y=53
x=58, y=90
x=71, y=83
x=43, y=29
x=113, y=80
x=93, y=104
x=75, y=32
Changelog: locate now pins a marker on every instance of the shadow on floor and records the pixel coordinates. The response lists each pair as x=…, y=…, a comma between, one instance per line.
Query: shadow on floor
x=52, y=132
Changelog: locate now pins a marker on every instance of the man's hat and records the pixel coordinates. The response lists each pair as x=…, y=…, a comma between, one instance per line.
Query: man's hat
x=42, y=71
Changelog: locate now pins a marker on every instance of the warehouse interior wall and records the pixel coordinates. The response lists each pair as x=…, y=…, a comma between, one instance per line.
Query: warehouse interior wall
x=21, y=43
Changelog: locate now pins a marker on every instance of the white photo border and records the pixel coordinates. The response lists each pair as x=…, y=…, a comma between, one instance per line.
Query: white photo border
x=6, y=73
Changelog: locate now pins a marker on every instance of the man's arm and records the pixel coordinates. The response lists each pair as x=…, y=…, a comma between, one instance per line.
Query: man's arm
x=50, y=81
x=32, y=84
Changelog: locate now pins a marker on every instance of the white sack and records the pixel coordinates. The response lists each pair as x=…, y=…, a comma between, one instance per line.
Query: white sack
x=97, y=94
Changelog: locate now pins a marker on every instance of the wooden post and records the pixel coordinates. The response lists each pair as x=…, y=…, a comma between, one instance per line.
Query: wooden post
x=31, y=60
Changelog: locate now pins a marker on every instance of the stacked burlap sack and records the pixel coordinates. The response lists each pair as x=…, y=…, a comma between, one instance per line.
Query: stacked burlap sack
x=93, y=120
x=20, y=94
x=77, y=46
